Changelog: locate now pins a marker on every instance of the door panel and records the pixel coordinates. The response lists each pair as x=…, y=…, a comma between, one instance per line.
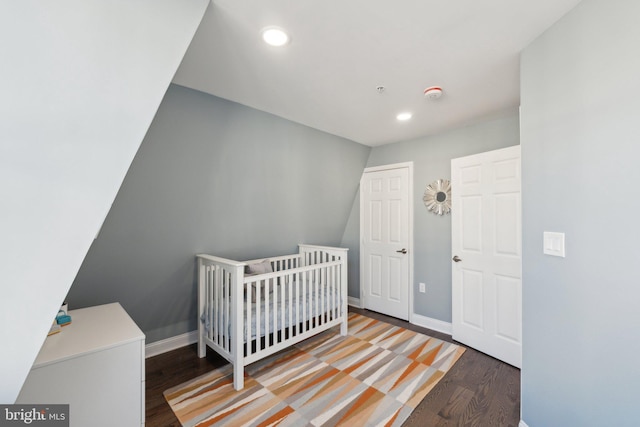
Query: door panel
x=375, y=275
x=395, y=266
x=471, y=216
x=487, y=237
x=472, y=291
x=507, y=210
x=508, y=299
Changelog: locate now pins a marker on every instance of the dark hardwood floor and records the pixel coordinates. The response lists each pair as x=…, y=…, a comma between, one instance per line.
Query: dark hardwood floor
x=478, y=390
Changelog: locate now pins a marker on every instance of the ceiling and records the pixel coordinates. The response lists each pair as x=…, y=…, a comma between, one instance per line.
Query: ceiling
x=342, y=50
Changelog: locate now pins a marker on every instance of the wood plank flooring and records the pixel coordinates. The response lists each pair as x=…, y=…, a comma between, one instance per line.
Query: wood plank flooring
x=478, y=390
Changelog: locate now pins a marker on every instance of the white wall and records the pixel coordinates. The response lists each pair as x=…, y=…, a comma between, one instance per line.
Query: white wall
x=579, y=136
x=80, y=82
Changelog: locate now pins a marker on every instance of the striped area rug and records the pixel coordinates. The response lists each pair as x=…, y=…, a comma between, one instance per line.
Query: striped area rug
x=374, y=376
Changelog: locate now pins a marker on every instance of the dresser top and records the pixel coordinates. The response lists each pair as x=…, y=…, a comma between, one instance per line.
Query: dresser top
x=92, y=329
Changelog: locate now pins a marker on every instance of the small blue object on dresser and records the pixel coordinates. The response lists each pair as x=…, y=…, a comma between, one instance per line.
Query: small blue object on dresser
x=62, y=318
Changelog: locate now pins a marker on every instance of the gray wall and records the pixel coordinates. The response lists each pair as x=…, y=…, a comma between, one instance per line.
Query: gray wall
x=431, y=158
x=216, y=177
x=580, y=111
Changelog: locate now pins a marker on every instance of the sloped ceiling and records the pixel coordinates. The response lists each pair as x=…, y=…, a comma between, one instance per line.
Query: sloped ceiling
x=340, y=51
x=80, y=84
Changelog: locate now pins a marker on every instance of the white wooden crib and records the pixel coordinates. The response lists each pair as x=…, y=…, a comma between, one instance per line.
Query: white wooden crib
x=246, y=317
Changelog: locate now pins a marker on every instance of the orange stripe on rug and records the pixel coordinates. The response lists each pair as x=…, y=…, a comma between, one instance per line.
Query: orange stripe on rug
x=412, y=366
x=428, y=358
x=393, y=419
x=357, y=364
x=418, y=350
x=366, y=400
x=277, y=418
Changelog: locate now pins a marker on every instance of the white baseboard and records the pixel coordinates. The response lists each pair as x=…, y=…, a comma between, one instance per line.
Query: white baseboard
x=430, y=323
x=355, y=302
x=522, y=424
x=173, y=343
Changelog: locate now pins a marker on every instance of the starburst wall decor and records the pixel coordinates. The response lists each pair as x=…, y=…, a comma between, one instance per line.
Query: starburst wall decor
x=437, y=197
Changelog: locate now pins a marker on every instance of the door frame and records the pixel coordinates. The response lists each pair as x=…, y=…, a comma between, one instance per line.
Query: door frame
x=409, y=167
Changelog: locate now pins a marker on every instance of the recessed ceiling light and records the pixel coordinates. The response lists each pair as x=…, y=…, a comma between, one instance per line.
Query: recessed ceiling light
x=275, y=36
x=404, y=116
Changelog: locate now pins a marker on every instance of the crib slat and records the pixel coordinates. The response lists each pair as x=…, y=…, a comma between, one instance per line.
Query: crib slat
x=227, y=310
x=267, y=329
x=258, y=316
x=226, y=296
x=220, y=308
x=313, y=308
x=215, y=312
x=323, y=295
x=282, y=308
x=211, y=287
x=223, y=302
x=276, y=310
x=336, y=292
x=307, y=299
x=247, y=304
x=221, y=322
x=298, y=282
x=305, y=316
x=330, y=300
x=214, y=305
x=221, y=294
x=316, y=284
x=290, y=294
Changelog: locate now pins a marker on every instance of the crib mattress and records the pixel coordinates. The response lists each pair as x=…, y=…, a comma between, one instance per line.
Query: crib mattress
x=310, y=305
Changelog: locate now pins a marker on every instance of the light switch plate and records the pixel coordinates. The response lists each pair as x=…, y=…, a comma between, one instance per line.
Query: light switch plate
x=553, y=244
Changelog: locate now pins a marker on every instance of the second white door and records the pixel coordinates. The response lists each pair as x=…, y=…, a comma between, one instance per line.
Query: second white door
x=487, y=253
x=385, y=240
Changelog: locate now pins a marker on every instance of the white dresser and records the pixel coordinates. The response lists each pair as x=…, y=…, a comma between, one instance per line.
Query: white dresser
x=96, y=365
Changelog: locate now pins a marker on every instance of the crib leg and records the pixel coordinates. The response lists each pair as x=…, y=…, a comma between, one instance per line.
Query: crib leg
x=343, y=325
x=238, y=376
x=202, y=347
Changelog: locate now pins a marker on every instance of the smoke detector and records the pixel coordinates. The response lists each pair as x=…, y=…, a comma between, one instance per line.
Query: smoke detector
x=433, y=92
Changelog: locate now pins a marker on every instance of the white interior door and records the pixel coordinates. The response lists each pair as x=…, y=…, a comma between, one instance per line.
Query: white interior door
x=385, y=248
x=487, y=253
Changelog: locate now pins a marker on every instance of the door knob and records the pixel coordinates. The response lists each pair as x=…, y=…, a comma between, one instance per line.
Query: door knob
x=402, y=251
x=456, y=258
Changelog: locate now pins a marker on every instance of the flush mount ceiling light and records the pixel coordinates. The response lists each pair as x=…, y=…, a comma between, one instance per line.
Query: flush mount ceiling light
x=275, y=36
x=403, y=117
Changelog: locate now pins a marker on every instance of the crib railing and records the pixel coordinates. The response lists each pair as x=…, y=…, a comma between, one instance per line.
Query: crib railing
x=218, y=278
x=290, y=304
